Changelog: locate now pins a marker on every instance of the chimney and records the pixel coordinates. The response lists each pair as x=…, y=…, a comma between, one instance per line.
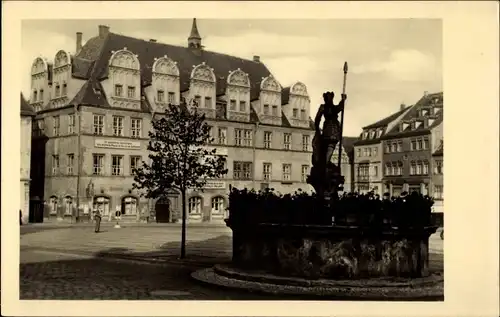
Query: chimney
x=78, y=42
x=426, y=93
x=152, y=40
x=402, y=107
x=103, y=31
x=256, y=58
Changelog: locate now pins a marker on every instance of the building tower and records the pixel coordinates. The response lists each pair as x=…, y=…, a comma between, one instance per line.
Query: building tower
x=194, y=39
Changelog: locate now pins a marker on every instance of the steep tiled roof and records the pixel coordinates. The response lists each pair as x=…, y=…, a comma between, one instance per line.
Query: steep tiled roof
x=348, y=143
x=185, y=57
x=425, y=101
x=386, y=120
x=26, y=109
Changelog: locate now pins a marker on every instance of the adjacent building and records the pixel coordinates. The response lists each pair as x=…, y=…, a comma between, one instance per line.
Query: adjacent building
x=94, y=111
x=27, y=114
x=408, y=147
x=437, y=181
x=368, y=153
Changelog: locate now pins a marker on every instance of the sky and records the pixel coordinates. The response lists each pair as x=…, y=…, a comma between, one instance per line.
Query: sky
x=391, y=61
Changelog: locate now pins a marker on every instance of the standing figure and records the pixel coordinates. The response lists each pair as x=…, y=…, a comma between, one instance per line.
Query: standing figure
x=324, y=143
x=97, y=218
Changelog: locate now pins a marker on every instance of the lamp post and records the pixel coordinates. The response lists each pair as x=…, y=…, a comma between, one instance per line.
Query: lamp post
x=79, y=163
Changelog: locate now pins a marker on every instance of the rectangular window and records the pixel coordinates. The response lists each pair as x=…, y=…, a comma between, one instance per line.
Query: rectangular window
x=305, y=143
x=55, y=164
x=287, y=172
x=247, y=138
x=116, y=165
x=438, y=169
x=413, y=168
x=438, y=192
x=387, y=147
x=243, y=106
x=208, y=102
x=64, y=89
x=35, y=96
x=58, y=90
x=71, y=124
x=358, y=152
x=266, y=109
x=232, y=105
x=135, y=161
x=287, y=141
x=57, y=124
x=419, y=168
x=365, y=152
x=98, y=163
x=275, y=110
x=160, y=96
x=267, y=139
x=222, y=136
x=238, y=137
x=118, y=90
x=136, y=127
x=400, y=168
x=302, y=114
x=40, y=96
x=131, y=92
x=295, y=113
x=420, y=144
x=266, y=171
x=400, y=146
x=304, y=172
x=171, y=98
x=71, y=162
x=98, y=124
x=197, y=100
x=375, y=151
x=369, y=151
x=375, y=171
x=413, y=146
x=426, y=168
x=426, y=144
x=118, y=126
x=388, y=169
x=242, y=170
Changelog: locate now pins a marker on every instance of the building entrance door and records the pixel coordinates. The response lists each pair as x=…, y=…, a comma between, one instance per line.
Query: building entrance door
x=162, y=210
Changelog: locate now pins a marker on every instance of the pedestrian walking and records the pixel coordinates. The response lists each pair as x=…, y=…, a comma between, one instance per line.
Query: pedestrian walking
x=97, y=218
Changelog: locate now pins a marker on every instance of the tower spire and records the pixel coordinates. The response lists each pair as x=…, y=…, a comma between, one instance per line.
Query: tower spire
x=194, y=39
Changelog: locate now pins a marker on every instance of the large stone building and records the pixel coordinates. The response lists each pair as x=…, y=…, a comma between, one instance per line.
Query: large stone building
x=368, y=153
x=27, y=114
x=94, y=113
x=409, y=146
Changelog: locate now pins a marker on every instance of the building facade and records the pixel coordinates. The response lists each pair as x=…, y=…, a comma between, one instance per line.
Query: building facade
x=94, y=111
x=27, y=114
x=437, y=181
x=368, y=153
x=409, y=145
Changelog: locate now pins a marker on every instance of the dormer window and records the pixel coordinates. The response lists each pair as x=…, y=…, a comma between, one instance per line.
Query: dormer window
x=35, y=96
x=275, y=110
x=424, y=112
x=97, y=91
x=365, y=135
x=302, y=114
x=232, y=105
x=295, y=113
x=58, y=90
x=118, y=90
x=417, y=124
x=430, y=121
x=404, y=126
x=436, y=110
x=266, y=109
x=160, y=96
x=379, y=133
x=208, y=102
x=243, y=106
x=372, y=134
x=41, y=95
x=64, y=89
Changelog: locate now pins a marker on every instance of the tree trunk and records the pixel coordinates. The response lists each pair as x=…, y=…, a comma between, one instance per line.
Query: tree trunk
x=183, y=233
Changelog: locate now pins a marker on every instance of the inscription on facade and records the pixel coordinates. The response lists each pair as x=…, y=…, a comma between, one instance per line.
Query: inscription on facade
x=117, y=144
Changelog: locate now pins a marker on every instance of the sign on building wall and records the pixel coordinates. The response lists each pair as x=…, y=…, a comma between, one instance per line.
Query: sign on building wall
x=118, y=144
x=215, y=185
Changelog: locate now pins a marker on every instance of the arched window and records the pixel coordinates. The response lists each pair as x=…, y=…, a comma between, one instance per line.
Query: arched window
x=68, y=205
x=101, y=203
x=194, y=205
x=129, y=205
x=217, y=205
x=53, y=205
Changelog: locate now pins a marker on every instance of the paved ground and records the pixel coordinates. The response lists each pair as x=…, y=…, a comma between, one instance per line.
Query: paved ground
x=61, y=263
